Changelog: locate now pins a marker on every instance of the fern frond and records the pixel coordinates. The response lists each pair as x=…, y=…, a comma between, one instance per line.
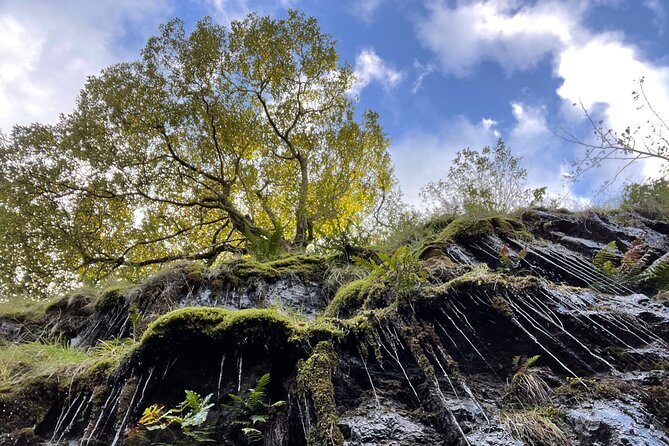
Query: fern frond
x=605, y=255
x=530, y=361
x=658, y=273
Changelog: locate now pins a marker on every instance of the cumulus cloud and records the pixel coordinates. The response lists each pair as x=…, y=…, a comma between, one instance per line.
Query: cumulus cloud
x=515, y=37
x=603, y=71
x=47, y=49
x=598, y=69
x=369, y=67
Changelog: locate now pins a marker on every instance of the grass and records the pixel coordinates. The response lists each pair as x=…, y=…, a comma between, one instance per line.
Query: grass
x=527, y=385
x=337, y=276
x=28, y=308
x=20, y=362
x=535, y=426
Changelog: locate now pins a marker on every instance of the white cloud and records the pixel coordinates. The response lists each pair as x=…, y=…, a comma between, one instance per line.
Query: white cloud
x=47, y=49
x=515, y=37
x=423, y=71
x=420, y=157
x=369, y=67
x=225, y=11
x=596, y=68
x=487, y=123
x=603, y=72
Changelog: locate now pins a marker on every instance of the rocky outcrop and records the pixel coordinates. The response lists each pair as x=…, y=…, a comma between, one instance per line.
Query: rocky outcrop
x=505, y=332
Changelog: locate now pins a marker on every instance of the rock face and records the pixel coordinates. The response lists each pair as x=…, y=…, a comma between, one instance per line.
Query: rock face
x=442, y=350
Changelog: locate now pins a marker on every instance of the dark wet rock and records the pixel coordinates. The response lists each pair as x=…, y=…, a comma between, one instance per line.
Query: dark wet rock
x=603, y=423
x=386, y=425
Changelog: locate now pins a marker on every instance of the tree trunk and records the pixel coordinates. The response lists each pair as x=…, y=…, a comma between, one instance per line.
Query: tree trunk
x=302, y=233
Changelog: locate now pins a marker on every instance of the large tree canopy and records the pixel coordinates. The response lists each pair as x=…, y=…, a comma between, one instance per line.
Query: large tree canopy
x=211, y=140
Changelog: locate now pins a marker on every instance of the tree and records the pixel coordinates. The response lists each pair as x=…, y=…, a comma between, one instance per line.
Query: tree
x=649, y=141
x=489, y=181
x=210, y=141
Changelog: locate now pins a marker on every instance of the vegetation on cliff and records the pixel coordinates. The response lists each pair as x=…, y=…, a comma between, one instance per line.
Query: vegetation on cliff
x=220, y=197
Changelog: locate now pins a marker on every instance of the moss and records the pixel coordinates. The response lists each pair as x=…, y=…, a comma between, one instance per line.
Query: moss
x=438, y=223
x=244, y=269
x=355, y=295
x=21, y=437
x=502, y=306
x=467, y=228
x=112, y=298
x=184, y=328
x=314, y=379
x=75, y=301
x=25, y=310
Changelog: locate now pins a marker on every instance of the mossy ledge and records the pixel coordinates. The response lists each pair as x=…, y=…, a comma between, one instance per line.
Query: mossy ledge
x=182, y=328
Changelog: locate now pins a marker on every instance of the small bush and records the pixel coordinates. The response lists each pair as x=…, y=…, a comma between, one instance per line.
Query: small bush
x=650, y=199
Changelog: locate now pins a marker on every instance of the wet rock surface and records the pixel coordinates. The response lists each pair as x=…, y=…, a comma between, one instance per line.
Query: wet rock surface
x=434, y=366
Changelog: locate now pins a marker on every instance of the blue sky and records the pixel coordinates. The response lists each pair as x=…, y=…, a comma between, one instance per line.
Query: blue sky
x=444, y=75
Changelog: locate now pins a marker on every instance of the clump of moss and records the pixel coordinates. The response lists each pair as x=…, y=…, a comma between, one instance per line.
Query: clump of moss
x=502, y=306
x=244, y=269
x=314, y=379
x=438, y=222
x=356, y=295
x=468, y=228
x=27, y=404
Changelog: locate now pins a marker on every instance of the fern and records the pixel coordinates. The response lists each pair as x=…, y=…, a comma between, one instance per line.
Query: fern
x=264, y=248
x=189, y=416
x=257, y=394
x=370, y=265
x=605, y=257
x=253, y=410
x=658, y=273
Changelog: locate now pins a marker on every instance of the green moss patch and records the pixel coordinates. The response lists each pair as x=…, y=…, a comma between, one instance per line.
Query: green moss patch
x=355, y=295
x=112, y=298
x=467, y=228
x=244, y=269
x=314, y=379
